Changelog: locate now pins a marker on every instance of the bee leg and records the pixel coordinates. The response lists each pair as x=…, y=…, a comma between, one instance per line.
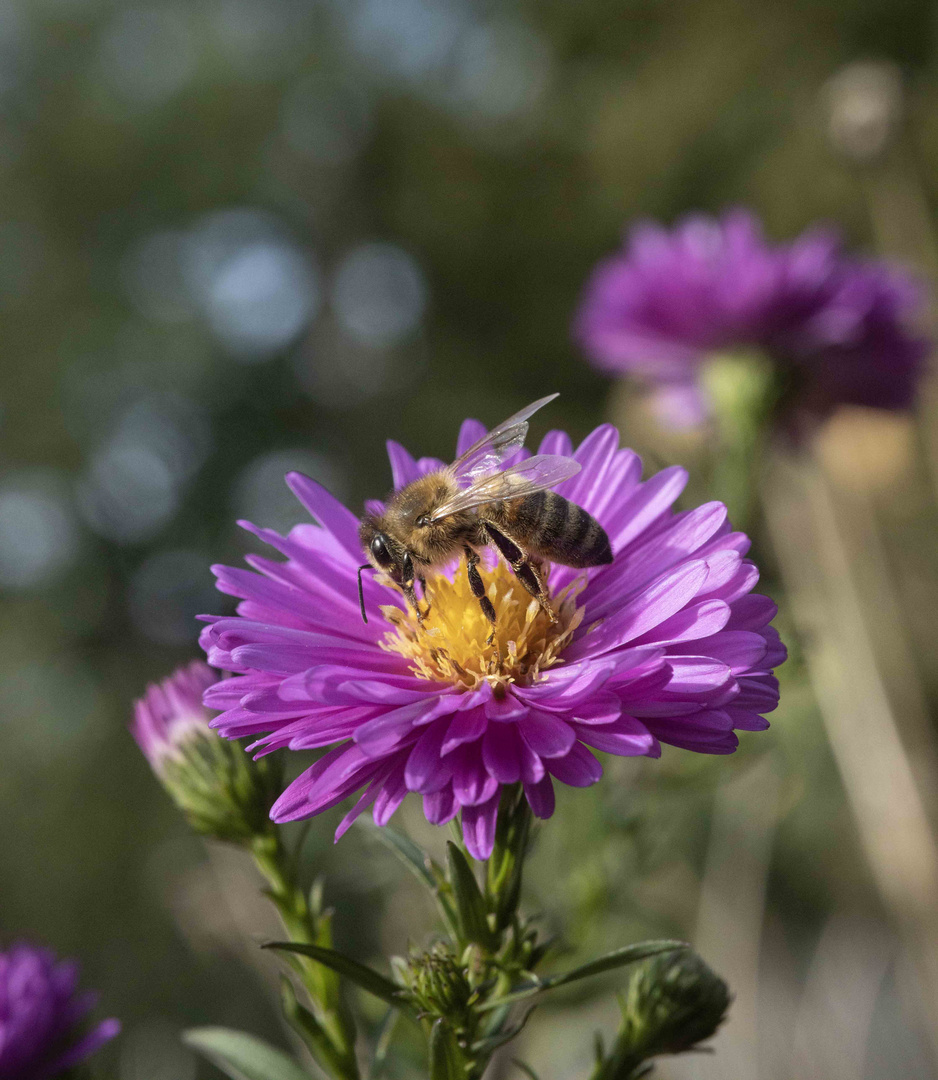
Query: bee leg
x=423, y=593
x=478, y=591
x=411, y=596
x=526, y=569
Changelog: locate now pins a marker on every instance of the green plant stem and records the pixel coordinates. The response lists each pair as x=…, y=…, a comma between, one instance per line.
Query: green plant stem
x=309, y=926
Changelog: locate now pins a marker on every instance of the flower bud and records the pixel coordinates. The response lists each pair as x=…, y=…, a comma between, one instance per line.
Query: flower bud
x=437, y=984
x=221, y=791
x=674, y=1002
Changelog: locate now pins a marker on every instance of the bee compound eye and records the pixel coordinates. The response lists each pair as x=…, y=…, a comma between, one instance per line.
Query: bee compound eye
x=380, y=550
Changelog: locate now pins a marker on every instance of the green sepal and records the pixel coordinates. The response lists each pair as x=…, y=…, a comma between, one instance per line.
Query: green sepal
x=628, y=954
x=471, y=912
x=332, y=1061
x=504, y=868
x=242, y=1056
x=445, y=1063
x=365, y=977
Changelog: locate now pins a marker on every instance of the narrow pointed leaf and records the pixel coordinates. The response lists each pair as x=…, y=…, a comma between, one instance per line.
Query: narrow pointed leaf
x=365, y=977
x=410, y=854
x=242, y=1056
x=493, y=1042
x=444, y=1054
x=326, y=1054
x=419, y=863
x=628, y=954
x=525, y=1068
x=385, y=1037
x=470, y=905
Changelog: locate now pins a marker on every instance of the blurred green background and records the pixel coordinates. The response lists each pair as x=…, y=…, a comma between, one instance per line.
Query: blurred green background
x=243, y=236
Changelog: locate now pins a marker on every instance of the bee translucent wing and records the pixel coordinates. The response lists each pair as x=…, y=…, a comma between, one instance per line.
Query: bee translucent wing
x=527, y=477
x=500, y=443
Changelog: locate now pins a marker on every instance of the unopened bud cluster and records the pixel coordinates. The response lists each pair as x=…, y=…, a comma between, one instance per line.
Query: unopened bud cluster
x=674, y=1002
x=437, y=982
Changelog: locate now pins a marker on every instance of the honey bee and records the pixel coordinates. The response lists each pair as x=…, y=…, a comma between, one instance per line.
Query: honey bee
x=474, y=503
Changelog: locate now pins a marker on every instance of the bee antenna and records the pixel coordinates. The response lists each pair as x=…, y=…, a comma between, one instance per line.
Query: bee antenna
x=361, y=590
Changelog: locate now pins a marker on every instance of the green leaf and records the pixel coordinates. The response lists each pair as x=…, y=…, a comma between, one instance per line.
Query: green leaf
x=419, y=863
x=410, y=854
x=493, y=1042
x=525, y=1068
x=331, y=1058
x=242, y=1056
x=470, y=904
x=365, y=977
x=385, y=1036
x=444, y=1054
x=628, y=954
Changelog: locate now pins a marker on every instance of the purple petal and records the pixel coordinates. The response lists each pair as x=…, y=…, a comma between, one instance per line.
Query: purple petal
x=465, y=727
x=427, y=770
x=403, y=467
x=470, y=432
x=383, y=734
x=627, y=737
x=540, y=796
x=547, y=735
x=478, y=828
x=501, y=753
x=441, y=806
x=93, y=1041
x=578, y=769
x=472, y=785
x=648, y=609
x=329, y=512
x=740, y=650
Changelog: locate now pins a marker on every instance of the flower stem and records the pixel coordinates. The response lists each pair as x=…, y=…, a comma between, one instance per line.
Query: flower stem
x=305, y=922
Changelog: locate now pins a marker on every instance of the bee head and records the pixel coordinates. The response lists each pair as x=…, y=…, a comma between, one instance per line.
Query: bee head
x=384, y=554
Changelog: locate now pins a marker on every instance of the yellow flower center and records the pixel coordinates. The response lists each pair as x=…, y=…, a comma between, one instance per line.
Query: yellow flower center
x=451, y=644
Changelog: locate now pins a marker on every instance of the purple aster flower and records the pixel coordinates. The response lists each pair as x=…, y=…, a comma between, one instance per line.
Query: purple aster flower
x=836, y=328
x=665, y=644
x=221, y=792
x=41, y=1015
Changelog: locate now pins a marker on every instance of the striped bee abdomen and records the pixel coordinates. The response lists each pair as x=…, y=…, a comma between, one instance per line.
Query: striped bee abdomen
x=547, y=524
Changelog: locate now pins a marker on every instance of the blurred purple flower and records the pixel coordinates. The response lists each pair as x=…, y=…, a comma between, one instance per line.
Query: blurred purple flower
x=170, y=712
x=41, y=1013
x=837, y=328
x=666, y=644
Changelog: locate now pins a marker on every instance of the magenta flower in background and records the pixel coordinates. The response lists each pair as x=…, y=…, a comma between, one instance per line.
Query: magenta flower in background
x=837, y=329
x=666, y=644
x=41, y=1016
x=171, y=712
